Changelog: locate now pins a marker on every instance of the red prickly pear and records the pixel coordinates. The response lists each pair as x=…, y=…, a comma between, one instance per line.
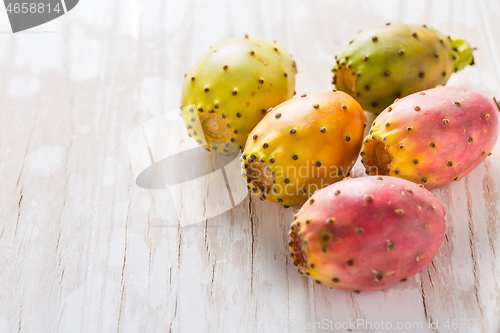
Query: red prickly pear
x=367, y=233
x=433, y=137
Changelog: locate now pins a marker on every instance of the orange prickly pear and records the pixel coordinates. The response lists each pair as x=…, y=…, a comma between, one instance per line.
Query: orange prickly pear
x=302, y=145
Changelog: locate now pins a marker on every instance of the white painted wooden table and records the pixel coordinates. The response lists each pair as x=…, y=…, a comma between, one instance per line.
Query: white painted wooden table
x=83, y=249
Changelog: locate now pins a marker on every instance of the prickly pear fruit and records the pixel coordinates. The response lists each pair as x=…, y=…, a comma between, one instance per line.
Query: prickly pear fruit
x=302, y=145
x=433, y=137
x=396, y=60
x=233, y=85
x=367, y=233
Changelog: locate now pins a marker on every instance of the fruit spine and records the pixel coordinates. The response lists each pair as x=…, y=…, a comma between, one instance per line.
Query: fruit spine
x=393, y=61
x=232, y=86
x=433, y=137
x=367, y=233
x=302, y=145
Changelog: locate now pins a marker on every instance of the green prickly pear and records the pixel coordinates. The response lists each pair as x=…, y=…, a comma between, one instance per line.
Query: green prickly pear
x=233, y=85
x=303, y=145
x=433, y=137
x=393, y=61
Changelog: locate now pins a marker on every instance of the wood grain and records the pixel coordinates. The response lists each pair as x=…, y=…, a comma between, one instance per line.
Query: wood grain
x=85, y=249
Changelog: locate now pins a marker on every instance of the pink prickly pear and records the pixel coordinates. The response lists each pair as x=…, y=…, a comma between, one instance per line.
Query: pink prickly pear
x=433, y=137
x=367, y=233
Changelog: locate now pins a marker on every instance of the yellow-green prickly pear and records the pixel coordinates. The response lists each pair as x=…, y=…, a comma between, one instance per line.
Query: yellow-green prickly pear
x=232, y=86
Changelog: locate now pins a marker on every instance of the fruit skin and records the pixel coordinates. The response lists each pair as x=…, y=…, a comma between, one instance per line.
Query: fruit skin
x=396, y=60
x=233, y=85
x=302, y=145
x=433, y=137
x=367, y=233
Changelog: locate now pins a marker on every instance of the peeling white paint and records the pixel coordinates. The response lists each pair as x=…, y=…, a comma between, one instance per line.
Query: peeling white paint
x=84, y=129
x=45, y=160
x=84, y=55
x=23, y=86
x=4, y=325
